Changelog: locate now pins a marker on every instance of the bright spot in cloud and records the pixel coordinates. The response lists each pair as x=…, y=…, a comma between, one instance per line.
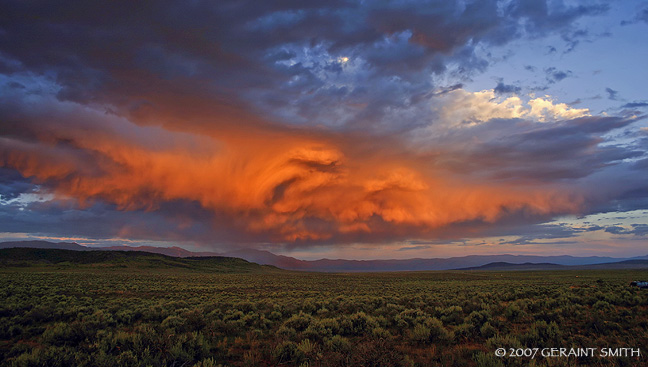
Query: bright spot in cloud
x=461, y=108
x=25, y=199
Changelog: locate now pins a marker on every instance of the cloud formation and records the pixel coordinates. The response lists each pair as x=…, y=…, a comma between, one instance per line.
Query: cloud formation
x=459, y=107
x=292, y=123
x=317, y=186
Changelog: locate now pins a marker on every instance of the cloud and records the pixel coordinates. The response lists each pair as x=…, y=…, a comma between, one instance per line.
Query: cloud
x=502, y=88
x=301, y=187
x=635, y=105
x=643, y=15
x=545, y=110
x=616, y=230
x=279, y=59
x=297, y=123
x=541, y=233
x=554, y=75
x=413, y=248
x=278, y=185
x=12, y=185
x=640, y=16
x=638, y=230
x=100, y=221
x=459, y=107
x=612, y=94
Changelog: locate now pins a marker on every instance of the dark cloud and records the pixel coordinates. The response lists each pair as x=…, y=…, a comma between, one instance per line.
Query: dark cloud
x=639, y=230
x=616, y=230
x=542, y=18
x=612, y=94
x=573, y=38
x=593, y=228
x=548, y=234
x=541, y=233
x=444, y=90
x=559, y=151
x=635, y=105
x=12, y=184
x=554, y=75
x=181, y=221
x=412, y=248
x=502, y=88
x=641, y=164
x=641, y=16
x=236, y=56
x=576, y=102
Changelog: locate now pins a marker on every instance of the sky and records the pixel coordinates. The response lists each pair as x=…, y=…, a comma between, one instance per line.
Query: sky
x=327, y=129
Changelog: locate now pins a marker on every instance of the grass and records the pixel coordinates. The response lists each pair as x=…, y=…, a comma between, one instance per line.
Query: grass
x=167, y=315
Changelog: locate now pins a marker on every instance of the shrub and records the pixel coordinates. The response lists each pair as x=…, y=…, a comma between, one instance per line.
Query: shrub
x=338, y=344
x=452, y=315
x=61, y=333
x=357, y=324
x=420, y=334
x=464, y=331
x=380, y=333
x=487, y=360
x=285, y=351
x=513, y=312
x=299, y=322
x=207, y=362
x=478, y=318
x=287, y=332
x=438, y=333
x=317, y=331
x=306, y=347
x=487, y=330
x=176, y=323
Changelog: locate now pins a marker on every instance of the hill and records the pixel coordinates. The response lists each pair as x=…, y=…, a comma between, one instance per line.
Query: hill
x=29, y=257
x=44, y=245
x=174, y=251
x=505, y=266
x=419, y=264
x=626, y=264
x=343, y=265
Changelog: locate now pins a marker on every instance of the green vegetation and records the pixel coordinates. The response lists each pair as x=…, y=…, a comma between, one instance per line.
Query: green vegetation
x=87, y=315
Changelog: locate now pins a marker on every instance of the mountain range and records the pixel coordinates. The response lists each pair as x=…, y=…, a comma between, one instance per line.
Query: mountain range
x=504, y=266
x=471, y=262
x=136, y=260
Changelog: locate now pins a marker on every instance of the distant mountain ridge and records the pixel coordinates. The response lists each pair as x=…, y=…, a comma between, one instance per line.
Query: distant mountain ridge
x=501, y=265
x=341, y=265
x=504, y=266
x=44, y=244
x=168, y=251
x=174, y=251
x=415, y=264
x=39, y=257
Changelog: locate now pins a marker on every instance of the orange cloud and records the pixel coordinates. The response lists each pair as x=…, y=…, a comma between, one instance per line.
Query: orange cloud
x=281, y=185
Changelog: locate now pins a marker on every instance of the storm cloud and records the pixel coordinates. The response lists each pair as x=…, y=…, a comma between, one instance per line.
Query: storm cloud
x=297, y=123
